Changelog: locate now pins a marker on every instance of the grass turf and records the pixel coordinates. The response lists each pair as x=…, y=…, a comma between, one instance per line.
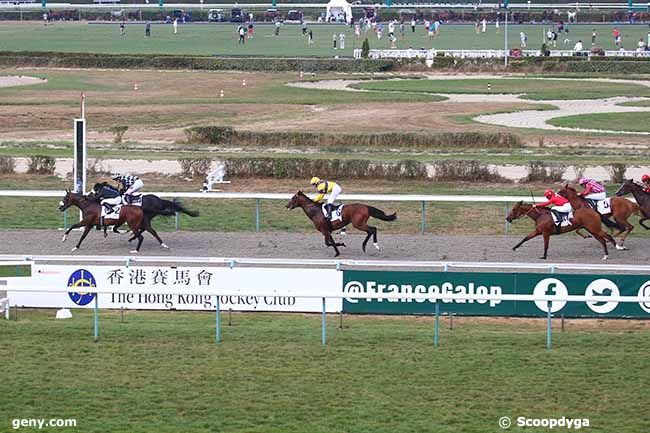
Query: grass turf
x=161, y=371
x=538, y=89
x=221, y=39
x=637, y=122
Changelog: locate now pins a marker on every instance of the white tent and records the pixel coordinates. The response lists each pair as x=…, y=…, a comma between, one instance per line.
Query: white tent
x=336, y=8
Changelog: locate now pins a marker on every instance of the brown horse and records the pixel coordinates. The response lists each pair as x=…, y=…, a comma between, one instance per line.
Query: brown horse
x=355, y=213
x=545, y=226
x=91, y=212
x=620, y=208
x=641, y=197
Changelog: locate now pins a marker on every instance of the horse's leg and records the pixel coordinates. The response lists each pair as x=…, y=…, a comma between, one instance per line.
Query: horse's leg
x=583, y=235
x=643, y=225
x=625, y=233
x=547, y=238
x=147, y=226
x=84, y=222
x=83, y=236
x=333, y=244
x=528, y=237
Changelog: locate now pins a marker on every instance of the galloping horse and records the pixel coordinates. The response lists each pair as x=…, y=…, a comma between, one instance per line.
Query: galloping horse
x=91, y=214
x=355, y=213
x=545, y=226
x=641, y=197
x=621, y=209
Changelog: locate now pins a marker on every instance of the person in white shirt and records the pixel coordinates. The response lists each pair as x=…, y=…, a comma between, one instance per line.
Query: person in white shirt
x=523, y=38
x=578, y=47
x=483, y=25
x=175, y=25
x=640, y=45
x=342, y=40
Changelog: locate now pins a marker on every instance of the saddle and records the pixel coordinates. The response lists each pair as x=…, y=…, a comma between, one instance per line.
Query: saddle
x=132, y=199
x=336, y=212
x=561, y=219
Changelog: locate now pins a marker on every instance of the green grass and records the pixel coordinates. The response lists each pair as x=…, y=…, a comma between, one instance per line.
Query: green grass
x=636, y=121
x=531, y=88
x=161, y=371
x=645, y=103
x=222, y=40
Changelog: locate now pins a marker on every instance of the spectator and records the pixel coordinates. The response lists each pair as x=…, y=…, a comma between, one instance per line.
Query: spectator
x=616, y=33
x=523, y=38
x=593, y=36
x=413, y=25
x=342, y=40
x=175, y=25
x=310, y=35
x=483, y=25
x=122, y=28
x=251, y=30
x=578, y=47
x=277, y=27
x=241, y=32
x=640, y=46
x=334, y=40
x=147, y=30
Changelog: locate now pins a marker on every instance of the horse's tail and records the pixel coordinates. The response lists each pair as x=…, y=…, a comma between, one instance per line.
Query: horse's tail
x=171, y=207
x=379, y=214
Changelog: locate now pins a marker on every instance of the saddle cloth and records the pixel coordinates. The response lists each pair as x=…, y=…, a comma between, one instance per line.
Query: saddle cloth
x=336, y=212
x=114, y=214
x=132, y=199
x=566, y=218
x=604, y=207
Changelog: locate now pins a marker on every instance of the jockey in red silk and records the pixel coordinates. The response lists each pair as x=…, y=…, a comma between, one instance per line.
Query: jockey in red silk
x=560, y=204
x=646, y=182
x=593, y=190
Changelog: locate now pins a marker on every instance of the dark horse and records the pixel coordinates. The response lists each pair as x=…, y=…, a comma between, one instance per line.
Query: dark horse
x=642, y=198
x=152, y=206
x=91, y=214
x=620, y=208
x=355, y=213
x=545, y=226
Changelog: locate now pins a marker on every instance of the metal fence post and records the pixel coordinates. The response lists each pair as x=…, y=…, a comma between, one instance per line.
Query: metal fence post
x=257, y=214
x=96, y=316
x=436, y=333
x=506, y=224
x=177, y=219
x=217, y=323
x=423, y=224
x=323, y=335
x=65, y=219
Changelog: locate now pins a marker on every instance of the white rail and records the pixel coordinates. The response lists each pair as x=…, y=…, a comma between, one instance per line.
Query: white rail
x=234, y=261
x=287, y=196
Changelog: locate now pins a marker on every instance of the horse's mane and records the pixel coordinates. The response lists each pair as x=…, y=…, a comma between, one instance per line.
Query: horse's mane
x=302, y=194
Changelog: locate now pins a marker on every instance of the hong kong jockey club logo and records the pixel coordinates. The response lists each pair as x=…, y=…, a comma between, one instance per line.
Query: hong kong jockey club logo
x=81, y=278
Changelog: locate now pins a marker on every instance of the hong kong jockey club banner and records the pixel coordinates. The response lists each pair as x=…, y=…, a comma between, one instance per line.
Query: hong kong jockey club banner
x=158, y=281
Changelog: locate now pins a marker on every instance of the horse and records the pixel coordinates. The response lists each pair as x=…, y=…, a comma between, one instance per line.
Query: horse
x=621, y=209
x=355, y=213
x=641, y=197
x=545, y=226
x=91, y=216
x=152, y=206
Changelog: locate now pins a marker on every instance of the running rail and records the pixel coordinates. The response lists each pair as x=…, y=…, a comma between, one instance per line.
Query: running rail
x=321, y=263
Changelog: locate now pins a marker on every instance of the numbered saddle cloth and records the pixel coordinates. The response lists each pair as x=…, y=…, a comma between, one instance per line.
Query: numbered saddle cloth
x=604, y=207
x=565, y=218
x=336, y=212
x=111, y=213
x=132, y=199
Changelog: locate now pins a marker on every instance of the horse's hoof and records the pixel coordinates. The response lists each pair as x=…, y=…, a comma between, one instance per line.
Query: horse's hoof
x=64, y=238
x=377, y=246
x=74, y=249
x=343, y=244
x=134, y=251
x=542, y=258
x=621, y=247
x=605, y=257
x=514, y=248
x=164, y=245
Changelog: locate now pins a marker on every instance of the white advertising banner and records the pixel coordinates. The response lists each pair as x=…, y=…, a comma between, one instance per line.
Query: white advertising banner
x=181, y=288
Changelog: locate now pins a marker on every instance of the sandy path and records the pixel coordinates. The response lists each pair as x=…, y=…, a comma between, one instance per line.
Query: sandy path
x=521, y=119
x=13, y=80
x=563, y=249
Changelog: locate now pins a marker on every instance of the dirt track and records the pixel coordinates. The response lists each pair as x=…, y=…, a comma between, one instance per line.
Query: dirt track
x=568, y=248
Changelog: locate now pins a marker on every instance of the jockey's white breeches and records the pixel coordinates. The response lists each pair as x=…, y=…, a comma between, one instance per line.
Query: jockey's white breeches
x=336, y=190
x=136, y=187
x=597, y=196
x=565, y=208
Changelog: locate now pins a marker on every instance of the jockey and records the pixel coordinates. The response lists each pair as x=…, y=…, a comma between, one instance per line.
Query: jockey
x=646, y=182
x=560, y=204
x=593, y=191
x=110, y=196
x=324, y=187
x=130, y=184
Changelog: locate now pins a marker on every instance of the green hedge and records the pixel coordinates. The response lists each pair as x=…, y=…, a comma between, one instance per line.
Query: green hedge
x=225, y=135
x=153, y=61
x=611, y=66
x=283, y=168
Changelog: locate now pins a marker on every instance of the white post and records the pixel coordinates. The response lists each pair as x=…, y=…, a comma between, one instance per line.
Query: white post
x=505, y=41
